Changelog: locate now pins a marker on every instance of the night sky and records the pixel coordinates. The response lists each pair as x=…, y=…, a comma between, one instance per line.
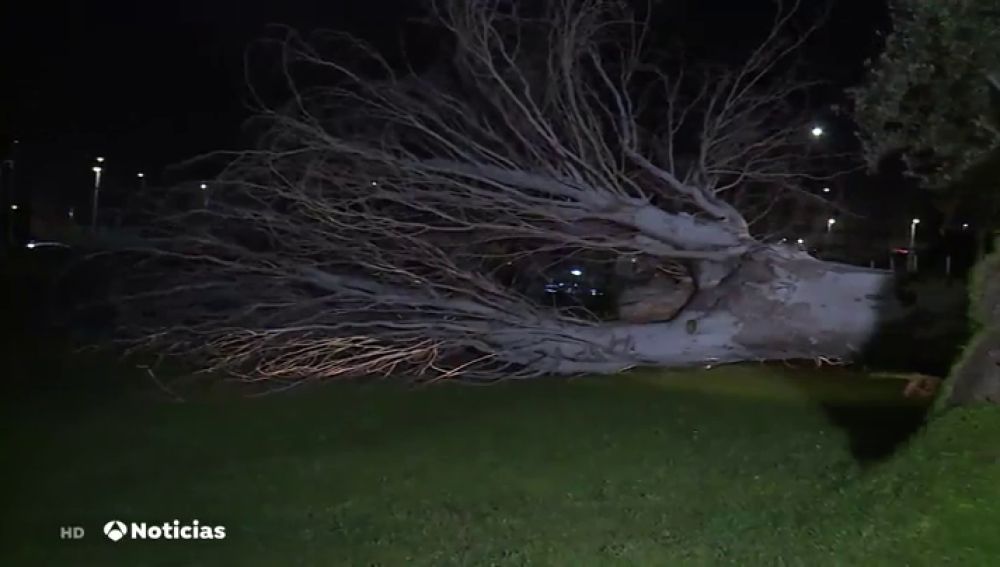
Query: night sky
x=147, y=84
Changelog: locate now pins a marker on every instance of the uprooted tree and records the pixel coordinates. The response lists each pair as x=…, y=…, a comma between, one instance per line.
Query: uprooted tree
x=370, y=230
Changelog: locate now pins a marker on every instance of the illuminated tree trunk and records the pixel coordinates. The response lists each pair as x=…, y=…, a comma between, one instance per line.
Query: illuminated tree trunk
x=774, y=306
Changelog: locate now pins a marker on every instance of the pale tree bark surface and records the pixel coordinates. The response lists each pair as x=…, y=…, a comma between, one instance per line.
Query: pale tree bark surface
x=366, y=233
x=779, y=304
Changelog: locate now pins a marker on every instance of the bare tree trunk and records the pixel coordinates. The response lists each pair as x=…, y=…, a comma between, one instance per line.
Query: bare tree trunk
x=775, y=305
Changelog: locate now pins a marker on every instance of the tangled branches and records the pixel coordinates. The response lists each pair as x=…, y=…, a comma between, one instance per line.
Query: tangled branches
x=364, y=234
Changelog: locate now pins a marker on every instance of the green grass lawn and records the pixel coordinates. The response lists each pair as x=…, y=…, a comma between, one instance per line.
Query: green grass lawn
x=754, y=465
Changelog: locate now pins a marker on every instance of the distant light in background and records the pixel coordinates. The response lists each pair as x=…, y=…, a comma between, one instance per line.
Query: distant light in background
x=817, y=132
x=95, y=205
x=203, y=186
x=140, y=175
x=13, y=207
x=374, y=183
x=801, y=241
x=576, y=272
x=32, y=244
x=826, y=189
x=72, y=213
x=912, y=258
x=965, y=226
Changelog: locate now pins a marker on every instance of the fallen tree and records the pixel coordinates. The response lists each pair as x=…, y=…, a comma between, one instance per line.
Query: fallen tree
x=366, y=232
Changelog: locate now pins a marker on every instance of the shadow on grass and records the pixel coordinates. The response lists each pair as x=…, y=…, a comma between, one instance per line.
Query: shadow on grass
x=925, y=340
x=875, y=432
x=872, y=413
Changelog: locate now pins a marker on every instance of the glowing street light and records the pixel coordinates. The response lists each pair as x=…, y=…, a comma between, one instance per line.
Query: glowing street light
x=817, y=131
x=829, y=224
x=826, y=189
x=576, y=272
x=204, y=193
x=801, y=242
x=912, y=256
x=13, y=207
x=965, y=226
x=97, y=193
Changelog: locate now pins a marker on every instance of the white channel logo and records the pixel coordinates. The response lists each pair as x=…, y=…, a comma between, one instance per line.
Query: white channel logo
x=117, y=530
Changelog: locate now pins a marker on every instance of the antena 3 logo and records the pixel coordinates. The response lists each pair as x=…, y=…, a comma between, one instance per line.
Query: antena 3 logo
x=117, y=530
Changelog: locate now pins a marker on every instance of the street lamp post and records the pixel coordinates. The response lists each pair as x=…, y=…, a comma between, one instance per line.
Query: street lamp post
x=142, y=180
x=829, y=225
x=97, y=169
x=204, y=193
x=913, y=245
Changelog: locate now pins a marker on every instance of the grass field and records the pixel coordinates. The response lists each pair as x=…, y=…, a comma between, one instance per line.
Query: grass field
x=755, y=465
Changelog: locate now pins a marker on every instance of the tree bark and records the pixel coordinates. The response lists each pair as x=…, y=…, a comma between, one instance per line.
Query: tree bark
x=776, y=304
